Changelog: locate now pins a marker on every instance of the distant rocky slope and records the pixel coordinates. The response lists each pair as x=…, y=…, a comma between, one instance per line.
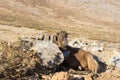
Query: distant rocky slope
x=94, y=19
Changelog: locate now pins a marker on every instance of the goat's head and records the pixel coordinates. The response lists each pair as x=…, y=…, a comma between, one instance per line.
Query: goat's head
x=62, y=39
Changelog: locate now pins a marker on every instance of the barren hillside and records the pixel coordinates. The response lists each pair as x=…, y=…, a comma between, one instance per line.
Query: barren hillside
x=94, y=19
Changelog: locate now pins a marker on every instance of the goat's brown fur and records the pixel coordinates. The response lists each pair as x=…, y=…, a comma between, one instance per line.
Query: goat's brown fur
x=86, y=59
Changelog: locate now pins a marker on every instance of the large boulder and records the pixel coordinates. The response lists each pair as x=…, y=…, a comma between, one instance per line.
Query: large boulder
x=48, y=52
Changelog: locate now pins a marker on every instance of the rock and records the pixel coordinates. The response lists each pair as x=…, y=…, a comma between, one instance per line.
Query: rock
x=87, y=46
x=88, y=77
x=115, y=59
x=76, y=43
x=76, y=77
x=46, y=77
x=48, y=52
x=60, y=76
x=26, y=43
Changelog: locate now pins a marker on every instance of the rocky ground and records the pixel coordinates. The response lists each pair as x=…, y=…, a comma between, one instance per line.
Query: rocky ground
x=17, y=65
x=93, y=24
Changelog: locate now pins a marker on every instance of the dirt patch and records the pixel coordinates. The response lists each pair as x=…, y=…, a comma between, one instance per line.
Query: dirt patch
x=12, y=34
